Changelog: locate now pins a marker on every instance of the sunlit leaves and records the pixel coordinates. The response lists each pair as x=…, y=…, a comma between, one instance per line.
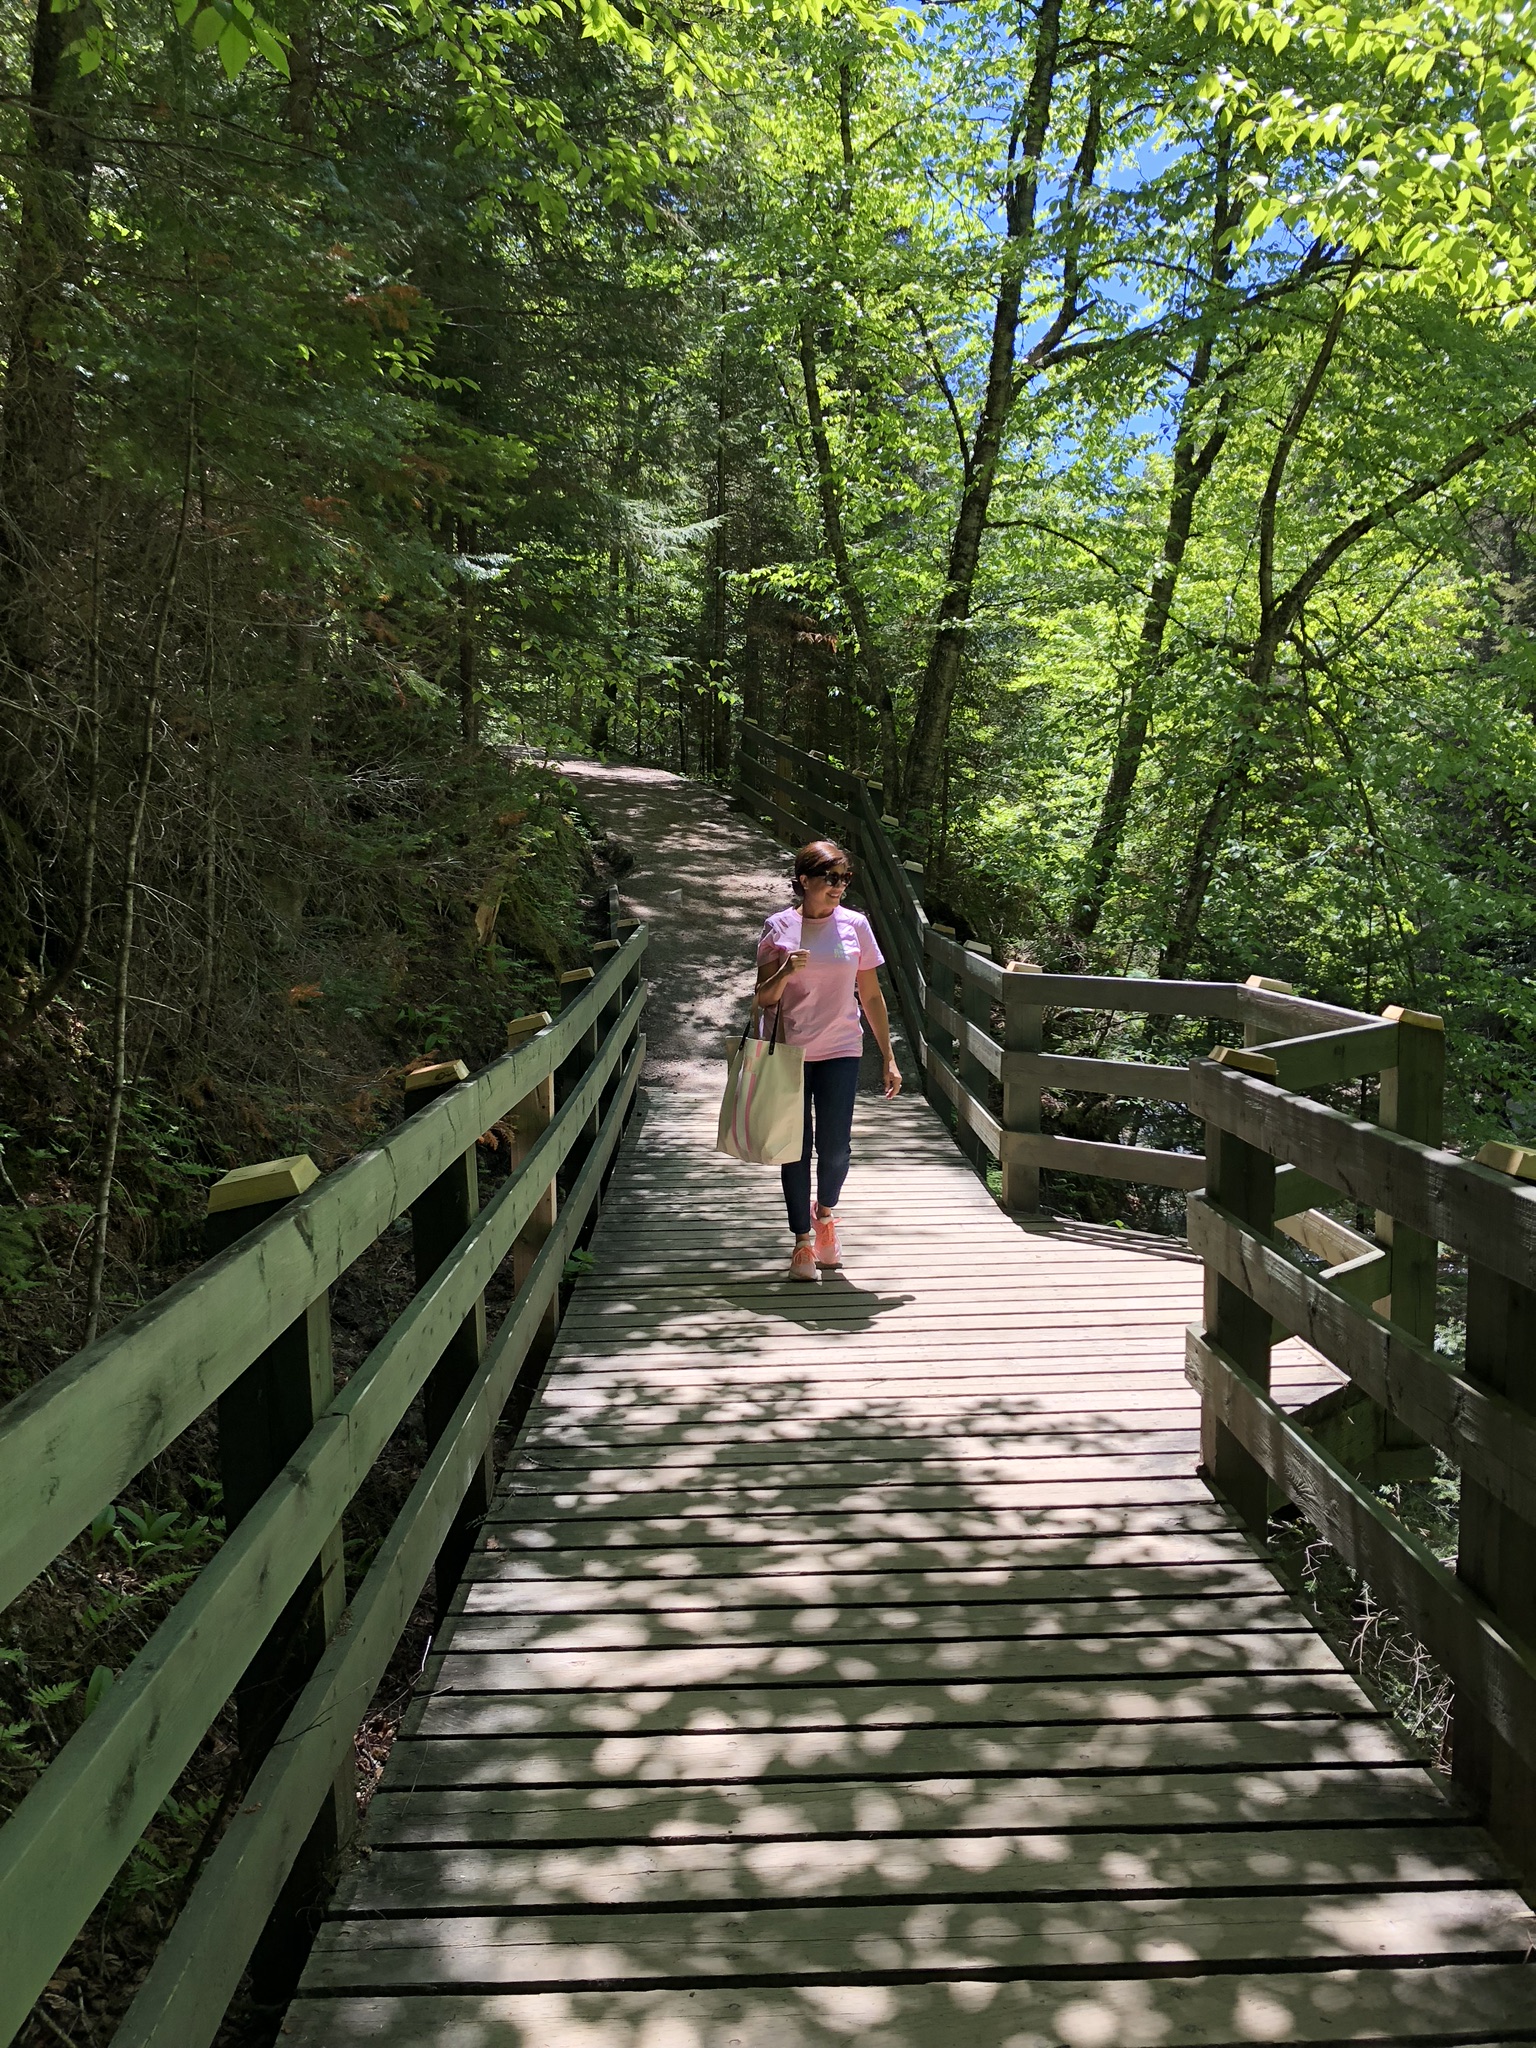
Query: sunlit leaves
x=1409, y=133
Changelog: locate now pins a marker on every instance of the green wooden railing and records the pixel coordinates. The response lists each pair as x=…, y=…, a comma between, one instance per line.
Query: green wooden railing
x=268, y=1622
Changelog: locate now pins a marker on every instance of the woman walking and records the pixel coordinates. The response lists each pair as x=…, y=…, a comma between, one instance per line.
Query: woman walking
x=817, y=962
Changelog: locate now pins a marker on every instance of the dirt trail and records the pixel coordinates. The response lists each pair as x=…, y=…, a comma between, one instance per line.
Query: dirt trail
x=704, y=879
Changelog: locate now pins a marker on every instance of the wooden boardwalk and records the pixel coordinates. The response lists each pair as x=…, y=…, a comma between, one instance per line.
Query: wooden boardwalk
x=867, y=1664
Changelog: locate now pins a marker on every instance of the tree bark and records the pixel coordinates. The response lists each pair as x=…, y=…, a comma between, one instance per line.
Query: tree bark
x=941, y=677
x=872, y=668
x=102, y=1215
x=1192, y=467
x=37, y=454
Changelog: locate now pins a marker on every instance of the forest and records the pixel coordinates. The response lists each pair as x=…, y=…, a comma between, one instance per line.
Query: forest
x=1107, y=424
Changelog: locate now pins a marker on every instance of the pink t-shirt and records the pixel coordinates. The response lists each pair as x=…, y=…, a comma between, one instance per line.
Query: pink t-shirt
x=820, y=1004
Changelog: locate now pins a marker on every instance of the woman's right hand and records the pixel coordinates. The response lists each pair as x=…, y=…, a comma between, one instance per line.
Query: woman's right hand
x=798, y=959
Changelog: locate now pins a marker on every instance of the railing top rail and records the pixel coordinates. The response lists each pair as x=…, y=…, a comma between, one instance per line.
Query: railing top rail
x=71, y=1443
x=1473, y=1208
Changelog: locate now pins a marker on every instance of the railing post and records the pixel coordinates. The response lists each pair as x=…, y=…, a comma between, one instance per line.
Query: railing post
x=1241, y=1179
x=1022, y=1020
x=945, y=983
x=1496, y=1549
x=572, y=1070
x=527, y=1120
x=440, y=1215
x=1412, y=1101
x=1256, y=1034
x=263, y=1418
x=976, y=1007
x=608, y=1016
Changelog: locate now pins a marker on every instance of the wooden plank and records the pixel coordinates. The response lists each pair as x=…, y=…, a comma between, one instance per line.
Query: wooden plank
x=1161, y=1809
x=933, y=1728
x=984, y=1860
x=1141, y=1164
x=1308, y=2009
x=971, y=1037
x=970, y=1621
x=1496, y=1555
x=1133, y=996
x=1498, y=1669
x=1137, y=1079
x=1489, y=1436
x=813, y=1487
x=637, y=1949
x=76, y=1439
x=1326, y=1058
x=801, y=802
x=1280, y=1015
x=1326, y=1239
x=1019, y=1587
x=1054, y=1548
x=118, y=1767
x=962, y=960
x=716, y=1665
x=1438, y=1194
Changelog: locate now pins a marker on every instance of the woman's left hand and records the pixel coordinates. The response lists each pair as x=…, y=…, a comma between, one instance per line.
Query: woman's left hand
x=892, y=1078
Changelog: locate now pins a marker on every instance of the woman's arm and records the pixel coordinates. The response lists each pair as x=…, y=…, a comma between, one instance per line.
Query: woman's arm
x=771, y=980
x=872, y=1003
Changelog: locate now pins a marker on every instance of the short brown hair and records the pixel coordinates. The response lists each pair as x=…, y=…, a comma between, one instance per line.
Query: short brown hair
x=816, y=855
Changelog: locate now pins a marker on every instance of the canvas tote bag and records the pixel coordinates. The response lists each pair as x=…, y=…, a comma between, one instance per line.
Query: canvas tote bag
x=762, y=1117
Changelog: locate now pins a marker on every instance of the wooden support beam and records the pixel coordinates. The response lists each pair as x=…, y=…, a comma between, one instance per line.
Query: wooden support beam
x=1023, y=1021
x=440, y=1215
x=1412, y=1103
x=973, y=1068
x=528, y=1120
x=263, y=1418
x=1496, y=1555
x=1241, y=1178
x=1483, y=1655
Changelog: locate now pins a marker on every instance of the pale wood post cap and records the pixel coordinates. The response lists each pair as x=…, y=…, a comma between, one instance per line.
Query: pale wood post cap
x=630, y=924
x=524, y=1027
x=274, y=1180
x=1245, y=1061
x=1425, y=1020
x=1278, y=988
x=576, y=974
x=945, y=931
x=446, y=1074
x=606, y=946
x=887, y=819
x=1023, y=967
x=913, y=867
x=978, y=946
x=1518, y=1161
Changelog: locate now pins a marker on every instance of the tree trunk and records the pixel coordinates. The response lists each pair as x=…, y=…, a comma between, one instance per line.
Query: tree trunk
x=870, y=665
x=1192, y=468
x=123, y=973
x=38, y=456
x=941, y=678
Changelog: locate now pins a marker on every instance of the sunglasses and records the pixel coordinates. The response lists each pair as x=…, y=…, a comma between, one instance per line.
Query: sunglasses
x=838, y=877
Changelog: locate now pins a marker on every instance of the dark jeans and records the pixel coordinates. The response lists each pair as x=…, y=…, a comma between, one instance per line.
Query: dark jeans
x=830, y=1086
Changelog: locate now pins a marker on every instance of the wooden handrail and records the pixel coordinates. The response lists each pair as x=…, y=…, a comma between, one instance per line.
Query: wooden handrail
x=1374, y=1316
x=107, y=1783
x=77, y=1438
